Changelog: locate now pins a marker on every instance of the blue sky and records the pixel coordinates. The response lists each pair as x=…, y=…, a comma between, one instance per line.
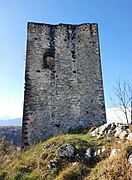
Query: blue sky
x=114, y=18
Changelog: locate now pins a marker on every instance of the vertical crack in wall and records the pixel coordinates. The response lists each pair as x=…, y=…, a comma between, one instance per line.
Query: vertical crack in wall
x=53, y=76
x=75, y=97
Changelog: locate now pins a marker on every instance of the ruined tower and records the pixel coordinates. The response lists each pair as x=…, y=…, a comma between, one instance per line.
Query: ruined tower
x=63, y=80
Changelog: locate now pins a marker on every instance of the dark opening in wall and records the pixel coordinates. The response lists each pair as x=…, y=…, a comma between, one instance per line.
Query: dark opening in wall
x=86, y=112
x=73, y=56
x=48, y=59
x=91, y=30
x=73, y=52
x=74, y=71
x=25, y=132
x=57, y=125
x=53, y=115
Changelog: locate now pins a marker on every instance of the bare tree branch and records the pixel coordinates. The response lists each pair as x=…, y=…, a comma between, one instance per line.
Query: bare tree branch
x=123, y=103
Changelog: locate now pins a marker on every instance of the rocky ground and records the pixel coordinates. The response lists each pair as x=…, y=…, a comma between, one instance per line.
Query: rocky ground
x=102, y=153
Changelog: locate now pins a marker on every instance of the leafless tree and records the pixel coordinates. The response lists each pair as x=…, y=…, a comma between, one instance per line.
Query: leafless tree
x=123, y=102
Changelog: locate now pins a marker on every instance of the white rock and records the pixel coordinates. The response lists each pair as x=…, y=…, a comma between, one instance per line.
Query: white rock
x=104, y=128
x=103, y=149
x=94, y=154
x=129, y=137
x=114, y=152
x=112, y=128
x=123, y=134
x=118, y=131
x=130, y=160
x=99, y=136
x=88, y=153
x=95, y=132
x=74, y=163
x=99, y=151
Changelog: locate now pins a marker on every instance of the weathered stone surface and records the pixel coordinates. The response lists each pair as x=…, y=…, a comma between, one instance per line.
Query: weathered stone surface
x=95, y=132
x=129, y=137
x=100, y=136
x=123, y=134
x=103, y=149
x=130, y=159
x=77, y=157
x=98, y=152
x=52, y=164
x=117, y=130
x=112, y=129
x=104, y=129
x=63, y=88
x=65, y=151
x=88, y=154
x=114, y=152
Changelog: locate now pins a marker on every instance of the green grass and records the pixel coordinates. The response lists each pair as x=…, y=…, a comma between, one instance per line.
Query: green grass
x=33, y=163
x=114, y=168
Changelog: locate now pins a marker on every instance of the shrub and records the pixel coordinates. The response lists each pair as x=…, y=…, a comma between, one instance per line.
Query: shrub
x=18, y=176
x=2, y=174
x=3, y=145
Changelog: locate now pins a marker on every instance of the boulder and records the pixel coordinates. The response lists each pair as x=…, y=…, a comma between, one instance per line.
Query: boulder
x=130, y=159
x=104, y=129
x=98, y=152
x=118, y=131
x=111, y=130
x=123, y=134
x=88, y=154
x=52, y=164
x=129, y=137
x=95, y=154
x=77, y=157
x=103, y=149
x=65, y=151
x=107, y=128
x=114, y=152
x=95, y=132
x=115, y=129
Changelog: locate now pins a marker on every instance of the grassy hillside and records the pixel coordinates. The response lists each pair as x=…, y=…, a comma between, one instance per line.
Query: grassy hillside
x=40, y=162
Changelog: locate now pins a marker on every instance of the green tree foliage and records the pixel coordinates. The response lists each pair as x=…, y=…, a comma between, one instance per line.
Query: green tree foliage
x=3, y=145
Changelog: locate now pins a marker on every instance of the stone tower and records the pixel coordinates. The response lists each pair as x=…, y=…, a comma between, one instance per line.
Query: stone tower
x=63, y=81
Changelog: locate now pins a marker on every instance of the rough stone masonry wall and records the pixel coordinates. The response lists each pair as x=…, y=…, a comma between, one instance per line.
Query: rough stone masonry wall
x=63, y=81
